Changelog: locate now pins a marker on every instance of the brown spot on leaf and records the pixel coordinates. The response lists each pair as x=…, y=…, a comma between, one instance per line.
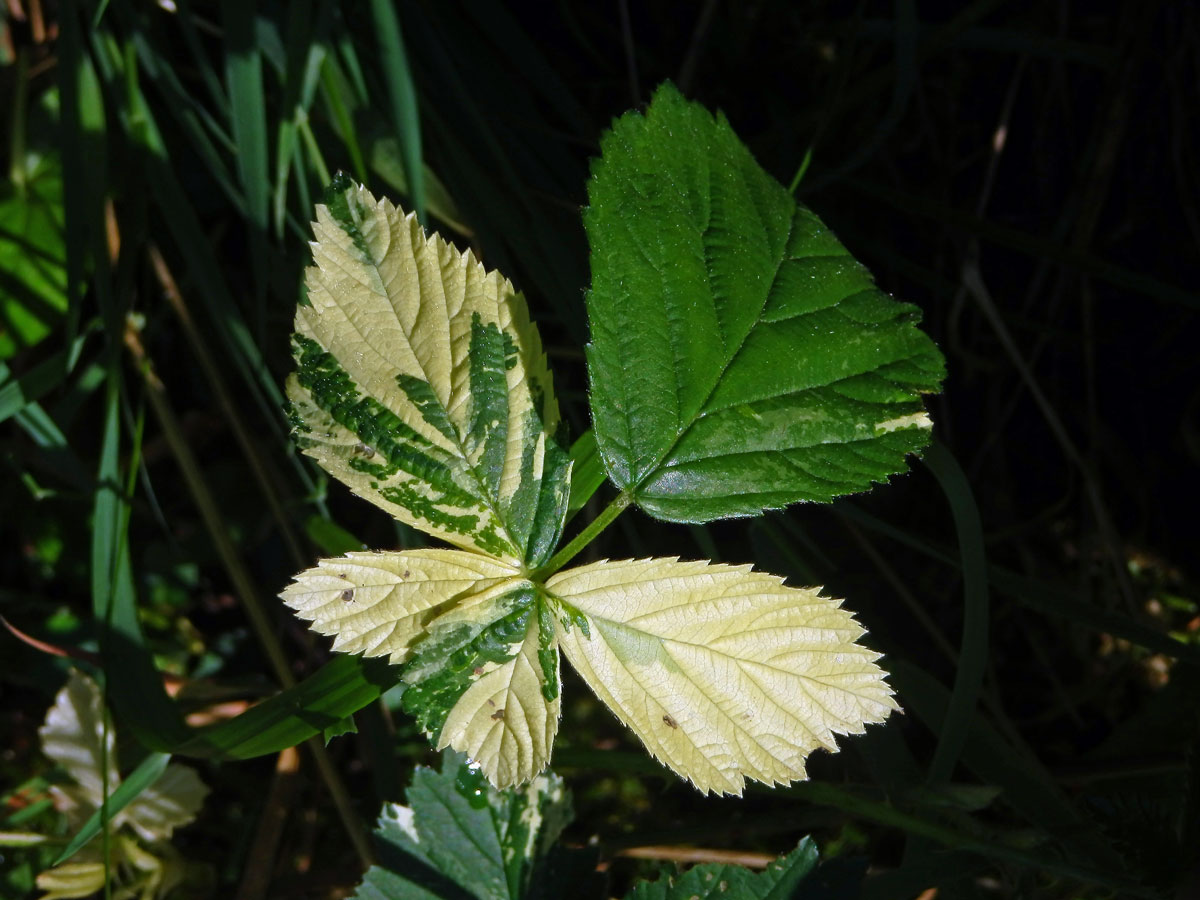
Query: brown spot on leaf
x=670, y=723
x=347, y=595
x=498, y=715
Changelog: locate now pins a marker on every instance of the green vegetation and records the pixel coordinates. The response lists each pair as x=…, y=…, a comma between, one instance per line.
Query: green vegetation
x=1022, y=181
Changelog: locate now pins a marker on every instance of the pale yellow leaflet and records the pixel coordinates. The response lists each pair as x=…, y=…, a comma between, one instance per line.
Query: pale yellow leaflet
x=503, y=722
x=422, y=385
x=75, y=738
x=723, y=672
x=378, y=604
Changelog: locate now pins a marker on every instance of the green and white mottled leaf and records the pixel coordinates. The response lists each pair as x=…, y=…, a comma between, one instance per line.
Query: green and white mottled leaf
x=741, y=359
x=378, y=603
x=477, y=640
x=506, y=720
x=421, y=383
x=723, y=672
x=485, y=682
x=459, y=837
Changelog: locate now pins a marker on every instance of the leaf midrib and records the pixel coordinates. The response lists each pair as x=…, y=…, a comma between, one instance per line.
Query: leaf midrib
x=731, y=720
x=483, y=491
x=729, y=362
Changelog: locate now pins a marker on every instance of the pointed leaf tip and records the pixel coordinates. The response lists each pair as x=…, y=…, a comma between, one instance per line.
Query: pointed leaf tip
x=741, y=359
x=422, y=384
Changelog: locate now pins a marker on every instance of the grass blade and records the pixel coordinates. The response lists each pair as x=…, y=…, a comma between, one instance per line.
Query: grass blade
x=587, y=473
x=973, y=655
x=243, y=77
x=338, y=689
x=147, y=772
x=402, y=96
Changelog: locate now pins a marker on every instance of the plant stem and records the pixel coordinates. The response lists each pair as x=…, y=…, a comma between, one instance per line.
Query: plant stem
x=585, y=537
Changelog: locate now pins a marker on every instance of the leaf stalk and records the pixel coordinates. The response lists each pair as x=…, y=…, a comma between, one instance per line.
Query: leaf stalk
x=585, y=537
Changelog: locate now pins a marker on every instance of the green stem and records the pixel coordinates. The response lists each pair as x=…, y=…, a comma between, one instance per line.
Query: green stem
x=585, y=537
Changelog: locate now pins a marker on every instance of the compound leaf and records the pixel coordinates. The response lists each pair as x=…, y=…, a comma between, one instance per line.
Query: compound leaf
x=723, y=672
x=421, y=383
x=741, y=359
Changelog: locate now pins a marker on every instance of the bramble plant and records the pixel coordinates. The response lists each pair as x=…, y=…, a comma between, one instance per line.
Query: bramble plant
x=740, y=360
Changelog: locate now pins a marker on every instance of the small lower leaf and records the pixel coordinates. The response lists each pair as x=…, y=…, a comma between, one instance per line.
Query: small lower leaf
x=724, y=673
x=139, y=780
x=171, y=802
x=459, y=838
x=779, y=881
x=76, y=737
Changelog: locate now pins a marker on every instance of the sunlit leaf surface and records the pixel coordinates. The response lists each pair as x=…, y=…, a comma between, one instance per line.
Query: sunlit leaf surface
x=478, y=640
x=724, y=673
x=741, y=359
x=421, y=383
x=74, y=737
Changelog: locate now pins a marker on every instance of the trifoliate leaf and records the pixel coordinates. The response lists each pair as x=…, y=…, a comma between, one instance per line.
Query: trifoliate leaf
x=460, y=838
x=778, y=881
x=378, y=604
x=723, y=672
x=422, y=385
x=741, y=359
x=485, y=682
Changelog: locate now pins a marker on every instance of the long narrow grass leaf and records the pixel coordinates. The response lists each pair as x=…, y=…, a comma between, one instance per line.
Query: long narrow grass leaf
x=587, y=471
x=338, y=689
x=16, y=393
x=973, y=655
x=402, y=97
x=147, y=772
x=340, y=103
x=243, y=75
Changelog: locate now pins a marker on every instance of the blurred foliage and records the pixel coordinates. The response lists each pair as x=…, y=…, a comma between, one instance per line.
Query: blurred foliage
x=1026, y=173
